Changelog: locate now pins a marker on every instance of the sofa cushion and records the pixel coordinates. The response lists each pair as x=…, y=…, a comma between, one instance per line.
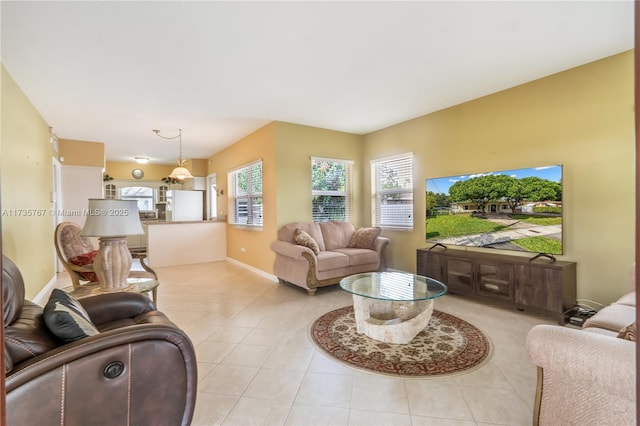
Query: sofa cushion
x=628, y=332
x=613, y=317
x=66, y=318
x=85, y=259
x=336, y=234
x=365, y=238
x=286, y=233
x=303, y=238
x=359, y=256
x=628, y=299
x=329, y=260
x=600, y=331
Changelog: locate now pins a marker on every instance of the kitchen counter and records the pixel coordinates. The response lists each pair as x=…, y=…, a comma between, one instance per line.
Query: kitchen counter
x=184, y=243
x=164, y=222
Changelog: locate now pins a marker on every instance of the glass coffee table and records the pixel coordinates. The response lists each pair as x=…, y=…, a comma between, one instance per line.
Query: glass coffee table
x=392, y=307
x=138, y=285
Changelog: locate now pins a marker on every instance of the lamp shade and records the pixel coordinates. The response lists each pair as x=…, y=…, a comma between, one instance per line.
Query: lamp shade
x=112, y=218
x=180, y=173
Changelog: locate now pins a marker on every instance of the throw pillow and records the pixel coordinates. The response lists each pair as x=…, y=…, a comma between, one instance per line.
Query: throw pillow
x=302, y=238
x=628, y=332
x=365, y=238
x=86, y=259
x=66, y=318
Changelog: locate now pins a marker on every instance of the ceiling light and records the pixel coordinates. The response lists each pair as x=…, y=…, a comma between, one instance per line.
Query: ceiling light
x=181, y=173
x=141, y=160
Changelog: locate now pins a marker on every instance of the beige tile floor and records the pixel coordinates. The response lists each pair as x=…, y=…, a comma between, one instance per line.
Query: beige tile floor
x=258, y=366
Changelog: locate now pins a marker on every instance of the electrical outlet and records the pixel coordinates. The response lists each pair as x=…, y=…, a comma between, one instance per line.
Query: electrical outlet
x=243, y=250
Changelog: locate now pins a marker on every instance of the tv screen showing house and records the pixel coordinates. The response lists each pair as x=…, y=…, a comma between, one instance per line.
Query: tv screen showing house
x=518, y=209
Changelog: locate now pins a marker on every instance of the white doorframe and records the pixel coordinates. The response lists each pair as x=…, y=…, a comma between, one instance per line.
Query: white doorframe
x=211, y=195
x=56, y=203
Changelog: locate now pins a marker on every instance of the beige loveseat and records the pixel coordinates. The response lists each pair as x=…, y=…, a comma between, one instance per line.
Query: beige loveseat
x=587, y=376
x=340, y=252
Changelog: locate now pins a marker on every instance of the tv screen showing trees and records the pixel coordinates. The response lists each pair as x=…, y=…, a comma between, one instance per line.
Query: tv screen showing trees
x=518, y=209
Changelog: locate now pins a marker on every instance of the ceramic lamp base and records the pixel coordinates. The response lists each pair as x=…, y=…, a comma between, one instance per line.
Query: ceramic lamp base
x=113, y=263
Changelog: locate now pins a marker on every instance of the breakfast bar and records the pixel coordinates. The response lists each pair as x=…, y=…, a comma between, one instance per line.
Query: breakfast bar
x=184, y=243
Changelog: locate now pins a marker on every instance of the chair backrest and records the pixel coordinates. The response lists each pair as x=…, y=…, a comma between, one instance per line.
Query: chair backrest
x=69, y=243
x=12, y=290
x=25, y=334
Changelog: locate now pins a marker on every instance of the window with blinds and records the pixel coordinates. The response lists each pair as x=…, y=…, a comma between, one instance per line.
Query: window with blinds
x=143, y=195
x=245, y=195
x=392, y=191
x=330, y=189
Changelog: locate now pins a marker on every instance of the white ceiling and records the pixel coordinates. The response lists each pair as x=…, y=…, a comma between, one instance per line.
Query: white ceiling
x=113, y=71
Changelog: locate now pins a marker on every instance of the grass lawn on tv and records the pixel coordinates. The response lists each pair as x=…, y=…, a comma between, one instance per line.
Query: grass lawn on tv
x=445, y=226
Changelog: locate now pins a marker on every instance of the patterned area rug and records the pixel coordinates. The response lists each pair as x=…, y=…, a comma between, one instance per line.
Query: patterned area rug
x=448, y=345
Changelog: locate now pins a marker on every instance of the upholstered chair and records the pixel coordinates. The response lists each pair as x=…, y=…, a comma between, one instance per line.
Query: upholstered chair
x=76, y=253
x=130, y=365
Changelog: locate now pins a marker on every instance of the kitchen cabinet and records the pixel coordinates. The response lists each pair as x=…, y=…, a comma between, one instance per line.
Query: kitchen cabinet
x=162, y=194
x=197, y=183
x=110, y=192
x=541, y=285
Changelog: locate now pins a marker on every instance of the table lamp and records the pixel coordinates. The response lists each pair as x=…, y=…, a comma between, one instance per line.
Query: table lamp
x=112, y=221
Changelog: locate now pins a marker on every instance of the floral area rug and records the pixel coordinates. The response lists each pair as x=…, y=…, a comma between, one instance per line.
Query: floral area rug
x=448, y=345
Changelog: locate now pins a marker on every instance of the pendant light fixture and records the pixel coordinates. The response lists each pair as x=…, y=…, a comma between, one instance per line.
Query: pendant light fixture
x=180, y=173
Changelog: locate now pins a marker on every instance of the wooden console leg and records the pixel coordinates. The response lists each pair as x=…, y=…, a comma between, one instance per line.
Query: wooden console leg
x=312, y=291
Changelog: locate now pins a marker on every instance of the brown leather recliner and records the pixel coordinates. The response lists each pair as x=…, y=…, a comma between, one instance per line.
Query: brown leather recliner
x=140, y=369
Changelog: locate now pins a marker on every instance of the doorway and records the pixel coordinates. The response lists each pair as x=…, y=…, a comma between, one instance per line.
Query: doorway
x=56, y=204
x=212, y=197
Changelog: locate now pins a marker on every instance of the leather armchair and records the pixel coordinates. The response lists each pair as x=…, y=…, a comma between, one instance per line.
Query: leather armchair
x=140, y=369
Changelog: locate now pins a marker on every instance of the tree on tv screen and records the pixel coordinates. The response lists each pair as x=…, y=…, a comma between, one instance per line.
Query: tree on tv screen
x=483, y=190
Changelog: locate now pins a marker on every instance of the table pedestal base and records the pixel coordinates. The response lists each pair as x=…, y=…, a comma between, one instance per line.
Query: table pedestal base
x=391, y=322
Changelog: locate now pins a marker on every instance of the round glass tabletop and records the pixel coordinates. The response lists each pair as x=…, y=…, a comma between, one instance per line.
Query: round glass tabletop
x=394, y=286
x=138, y=285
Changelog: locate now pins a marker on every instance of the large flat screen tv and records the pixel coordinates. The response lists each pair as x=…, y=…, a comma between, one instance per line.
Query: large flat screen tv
x=518, y=209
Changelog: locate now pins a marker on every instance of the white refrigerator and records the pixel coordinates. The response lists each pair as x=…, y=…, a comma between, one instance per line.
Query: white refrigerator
x=184, y=206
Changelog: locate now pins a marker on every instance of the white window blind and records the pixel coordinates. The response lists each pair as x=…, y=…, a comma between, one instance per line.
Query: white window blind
x=392, y=191
x=245, y=195
x=143, y=196
x=330, y=189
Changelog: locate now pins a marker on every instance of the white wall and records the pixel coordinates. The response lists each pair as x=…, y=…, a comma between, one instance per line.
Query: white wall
x=79, y=183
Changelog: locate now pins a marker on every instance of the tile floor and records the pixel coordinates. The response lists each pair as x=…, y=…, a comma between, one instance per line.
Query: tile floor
x=258, y=366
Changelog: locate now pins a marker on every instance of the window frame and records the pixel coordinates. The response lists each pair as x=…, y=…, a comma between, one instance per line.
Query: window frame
x=347, y=193
x=404, y=192
x=234, y=198
x=137, y=199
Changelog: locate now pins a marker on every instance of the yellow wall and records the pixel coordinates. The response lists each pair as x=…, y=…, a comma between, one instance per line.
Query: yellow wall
x=258, y=145
x=26, y=178
x=81, y=153
x=122, y=170
x=295, y=146
x=197, y=166
x=581, y=118
x=286, y=150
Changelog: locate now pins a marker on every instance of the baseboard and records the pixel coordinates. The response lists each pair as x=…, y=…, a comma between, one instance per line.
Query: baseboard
x=43, y=296
x=254, y=270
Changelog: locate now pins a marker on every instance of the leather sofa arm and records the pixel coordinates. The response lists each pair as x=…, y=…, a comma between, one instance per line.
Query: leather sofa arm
x=291, y=250
x=115, y=306
x=155, y=382
x=584, y=357
x=88, y=346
